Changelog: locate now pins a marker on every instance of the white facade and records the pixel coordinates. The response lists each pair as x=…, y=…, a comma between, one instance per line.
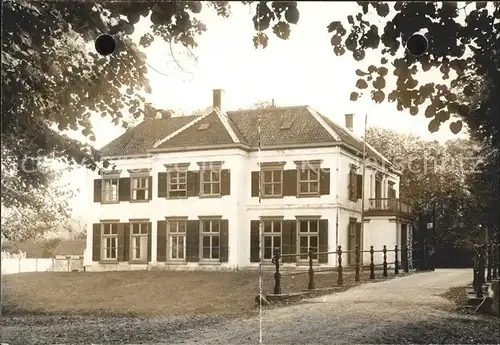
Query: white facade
x=239, y=208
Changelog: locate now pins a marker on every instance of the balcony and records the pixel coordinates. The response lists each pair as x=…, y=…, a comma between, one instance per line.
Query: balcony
x=388, y=207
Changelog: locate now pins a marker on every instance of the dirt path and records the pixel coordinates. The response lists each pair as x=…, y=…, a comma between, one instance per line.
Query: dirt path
x=402, y=310
x=407, y=309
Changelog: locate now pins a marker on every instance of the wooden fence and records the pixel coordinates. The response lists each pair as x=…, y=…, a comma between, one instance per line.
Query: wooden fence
x=401, y=261
x=486, y=262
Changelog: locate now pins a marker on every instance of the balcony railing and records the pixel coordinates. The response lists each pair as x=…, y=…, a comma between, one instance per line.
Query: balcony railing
x=389, y=205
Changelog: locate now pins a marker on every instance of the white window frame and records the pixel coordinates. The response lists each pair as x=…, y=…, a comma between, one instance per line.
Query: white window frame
x=178, y=224
x=309, y=181
x=107, y=190
x=143, y=233
x=272, y=234
x=307, y=234
x=214, y=171
x=109, y=231
x=179, y=174
x=135, y=186
x=210, y=234
x=274, y=184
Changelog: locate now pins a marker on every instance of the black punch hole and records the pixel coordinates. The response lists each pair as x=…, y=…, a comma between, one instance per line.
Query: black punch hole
x=417, y=45
x=105, y=44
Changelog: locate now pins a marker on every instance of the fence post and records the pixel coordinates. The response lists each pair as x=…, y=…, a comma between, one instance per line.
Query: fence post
x=475, y=267
x=385, y=261
x=277, y=275
x=311, y=285
x=478, y=286
x=495, y=261
x=482, y=264
x=489, y=258
x=372, y=265
x=396, y=261
x=356, y=276
x=340, y=280
x=406, y=265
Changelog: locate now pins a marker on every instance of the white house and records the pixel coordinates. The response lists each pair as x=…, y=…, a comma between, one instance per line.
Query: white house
x=184, y=192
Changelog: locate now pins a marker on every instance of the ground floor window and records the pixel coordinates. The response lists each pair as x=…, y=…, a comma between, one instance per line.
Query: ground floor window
x=308, y=231
x=176, y=230
x=109, y=241
x=210, y=239
x=139, y=241
x=272, y=237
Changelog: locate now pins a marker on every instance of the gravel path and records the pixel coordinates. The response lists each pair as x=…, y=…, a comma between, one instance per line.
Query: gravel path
x=402, y=310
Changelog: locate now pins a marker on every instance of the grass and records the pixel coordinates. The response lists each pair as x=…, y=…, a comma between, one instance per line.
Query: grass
x=156, y=293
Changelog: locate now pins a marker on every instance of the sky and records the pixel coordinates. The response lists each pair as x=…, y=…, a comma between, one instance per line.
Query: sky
x=300, y=71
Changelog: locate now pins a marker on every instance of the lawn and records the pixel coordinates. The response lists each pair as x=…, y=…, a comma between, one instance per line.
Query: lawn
x=155, y=293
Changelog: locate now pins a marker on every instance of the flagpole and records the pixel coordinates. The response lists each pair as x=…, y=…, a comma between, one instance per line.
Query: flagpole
x=363, y=182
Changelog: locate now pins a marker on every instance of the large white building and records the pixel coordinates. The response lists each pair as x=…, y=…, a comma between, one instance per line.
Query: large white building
x=184, y=192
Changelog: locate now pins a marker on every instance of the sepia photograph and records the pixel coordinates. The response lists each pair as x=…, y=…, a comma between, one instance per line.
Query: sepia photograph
x=250, y=172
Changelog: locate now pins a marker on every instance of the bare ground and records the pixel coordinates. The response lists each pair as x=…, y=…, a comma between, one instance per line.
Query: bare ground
x=404, y=310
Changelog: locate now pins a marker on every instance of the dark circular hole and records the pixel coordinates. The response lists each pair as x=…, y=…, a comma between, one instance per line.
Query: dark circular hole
x=417, y=45
x=105, y=44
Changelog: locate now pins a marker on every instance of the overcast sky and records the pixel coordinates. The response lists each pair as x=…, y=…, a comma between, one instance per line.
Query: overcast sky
x=300, y=71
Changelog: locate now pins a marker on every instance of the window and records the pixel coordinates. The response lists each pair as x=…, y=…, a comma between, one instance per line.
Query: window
x=353, y=188
x=140, y=188
x=110, y=241
x=210, y=182
x=176, y=230
x=110, y=189
x=308, y=181
x=210, y=239
x=272, y=237
x=177, y=184
x=308, y=236
x=139, y=241
x=272, y=182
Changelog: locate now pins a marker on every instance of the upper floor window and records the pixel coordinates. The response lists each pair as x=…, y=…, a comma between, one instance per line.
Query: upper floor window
x=391, y=192
x=210, y=180
x=272, y=180
x=109, y=241
x=308, y=181
x=177, y=184
x=140, y=188
x=110, y=189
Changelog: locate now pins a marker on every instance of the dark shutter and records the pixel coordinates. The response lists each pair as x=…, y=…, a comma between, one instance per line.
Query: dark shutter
x=150, y=188
x=193, y=183
x=289, y=240
x=323, y=240
x=126, y=242
x=121, y=241
x=193, y=241
x=254, y=241
x=255, y=184
x=162, y=184
x=97, y=190
x=224, y=240
x=290, y=182
x=96, y=242
x=225, y=182
x=124, y=189
x=161, y=241
x=324, y=181
x=359, y=186
x=150, y=227
x=352, y=186
x=359, y=237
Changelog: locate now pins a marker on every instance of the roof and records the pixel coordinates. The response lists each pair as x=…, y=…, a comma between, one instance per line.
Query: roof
x=70, y=247
x=279, y=126
x=33, y=249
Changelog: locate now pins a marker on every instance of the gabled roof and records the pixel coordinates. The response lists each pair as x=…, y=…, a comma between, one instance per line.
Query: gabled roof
x=279, y=127
x=70, y=247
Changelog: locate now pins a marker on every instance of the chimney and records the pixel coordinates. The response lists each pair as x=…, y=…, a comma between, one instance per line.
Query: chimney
x=217, y=99
x=164, y=114
x=149, y=111
x=349, y=121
